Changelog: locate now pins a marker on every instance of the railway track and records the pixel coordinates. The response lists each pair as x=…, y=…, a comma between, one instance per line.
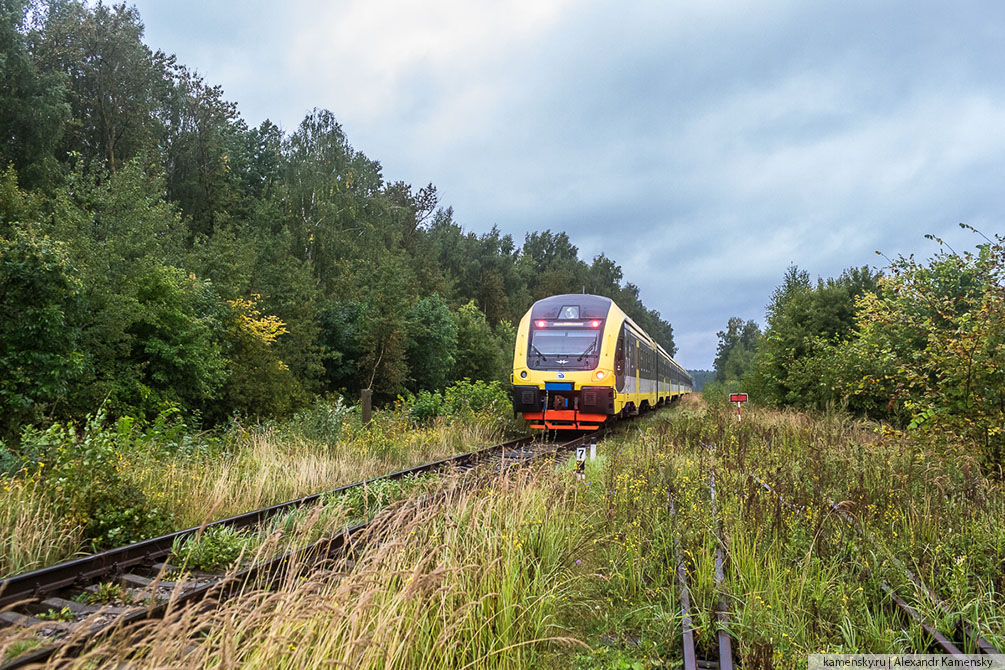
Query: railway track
x=971, y=639
x=962, y=640
x=723, y=657
x=139, y=569
x=968, y=636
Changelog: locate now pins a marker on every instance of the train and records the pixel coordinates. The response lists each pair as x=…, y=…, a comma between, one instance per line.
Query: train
x=580, y=362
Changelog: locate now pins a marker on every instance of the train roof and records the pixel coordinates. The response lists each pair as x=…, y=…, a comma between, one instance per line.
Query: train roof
x=587, y=306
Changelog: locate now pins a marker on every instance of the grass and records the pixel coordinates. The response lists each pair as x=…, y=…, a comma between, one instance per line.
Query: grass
x=33, y=532
x=184, y=481
x=799, y=581
x=465, y=577
x=539, y=569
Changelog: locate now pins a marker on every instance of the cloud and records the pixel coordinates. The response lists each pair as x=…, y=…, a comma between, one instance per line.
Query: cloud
x=704, y=146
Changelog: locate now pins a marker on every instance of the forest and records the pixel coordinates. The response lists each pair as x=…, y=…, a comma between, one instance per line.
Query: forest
x=158, y=254
x=917, y=345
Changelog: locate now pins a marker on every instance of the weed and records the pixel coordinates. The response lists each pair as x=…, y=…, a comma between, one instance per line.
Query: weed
x=64, y=614
x=19, y=647
x=213, y=550
x=115, y=483
x=105, y=593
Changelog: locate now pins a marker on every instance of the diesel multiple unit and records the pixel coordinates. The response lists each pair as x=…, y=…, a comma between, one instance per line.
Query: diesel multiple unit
x=579, y=360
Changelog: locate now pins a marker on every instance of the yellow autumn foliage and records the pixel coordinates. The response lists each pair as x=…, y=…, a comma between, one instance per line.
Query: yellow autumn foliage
x=265, y=328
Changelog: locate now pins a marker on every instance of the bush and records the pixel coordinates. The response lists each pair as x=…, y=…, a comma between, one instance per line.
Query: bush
x=462, y=400
x=322, y=422
x=426, y=406
x=40, y=298
x=83, y=475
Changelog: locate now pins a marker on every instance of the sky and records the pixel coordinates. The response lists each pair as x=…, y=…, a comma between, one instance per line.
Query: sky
x=704, y=146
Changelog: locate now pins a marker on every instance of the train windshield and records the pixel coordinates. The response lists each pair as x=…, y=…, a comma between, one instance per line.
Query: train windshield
x=565, y=349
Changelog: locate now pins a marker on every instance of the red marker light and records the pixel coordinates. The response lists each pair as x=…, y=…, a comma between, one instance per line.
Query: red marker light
x=600, y=374
x=595, y=323
x=541, y=324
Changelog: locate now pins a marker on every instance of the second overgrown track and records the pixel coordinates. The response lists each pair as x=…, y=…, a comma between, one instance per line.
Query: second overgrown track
x=803, y=574
x=969, y=638
x=723, y=656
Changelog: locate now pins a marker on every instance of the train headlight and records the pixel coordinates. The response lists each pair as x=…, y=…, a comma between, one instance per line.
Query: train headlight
x=599, y=374
x=523, y=374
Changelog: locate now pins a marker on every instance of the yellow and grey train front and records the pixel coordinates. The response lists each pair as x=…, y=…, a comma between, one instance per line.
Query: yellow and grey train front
x=580, y=360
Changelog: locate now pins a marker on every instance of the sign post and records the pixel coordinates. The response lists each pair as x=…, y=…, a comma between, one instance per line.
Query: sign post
x=580, y=462
x=738, y=398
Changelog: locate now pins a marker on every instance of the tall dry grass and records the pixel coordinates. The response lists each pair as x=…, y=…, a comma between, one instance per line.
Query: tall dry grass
x=191, y=482
x=462, y=578
x=265, y=466
x=32, y=531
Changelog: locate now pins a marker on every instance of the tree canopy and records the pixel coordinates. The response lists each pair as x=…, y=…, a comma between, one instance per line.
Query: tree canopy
x=158, y=251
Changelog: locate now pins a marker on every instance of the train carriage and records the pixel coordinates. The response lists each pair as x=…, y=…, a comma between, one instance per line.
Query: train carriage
x=579, y=360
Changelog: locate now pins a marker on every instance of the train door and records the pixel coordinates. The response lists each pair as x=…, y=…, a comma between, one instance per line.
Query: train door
x=638, y=372
x=619, y=362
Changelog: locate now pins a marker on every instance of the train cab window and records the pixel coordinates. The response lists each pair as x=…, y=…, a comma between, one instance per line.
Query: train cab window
x=557, y=348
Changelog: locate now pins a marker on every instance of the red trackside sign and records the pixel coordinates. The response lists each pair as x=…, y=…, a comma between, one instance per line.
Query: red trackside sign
x=738, y=397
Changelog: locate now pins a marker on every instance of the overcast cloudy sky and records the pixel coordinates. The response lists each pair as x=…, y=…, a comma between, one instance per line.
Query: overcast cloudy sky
x=704, y=145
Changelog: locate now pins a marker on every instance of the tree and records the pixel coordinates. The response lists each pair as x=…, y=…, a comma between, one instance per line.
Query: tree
x=734, y=355
x=937, y=334
x=175, y=341
x=329, y=197
x=432, y=344
x=550, y=265
x=39, y=348
x=33, y=112
x=258, y=382
x=479, y=353
x=803, y=323
x=116, y=86
x=206, y=153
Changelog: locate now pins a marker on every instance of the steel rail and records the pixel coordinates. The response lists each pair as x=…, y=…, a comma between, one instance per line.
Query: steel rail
x=725, y=643
x=264, y=573
x=690, y=656
x=770, y=489
x=932, y=631
x=967, y=630
x=982, y=645
x=37, y=583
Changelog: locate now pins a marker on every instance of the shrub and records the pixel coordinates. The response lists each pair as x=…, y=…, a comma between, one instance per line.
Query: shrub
x=426, y=406
x=84, y=477
x=321, y=422
x=462, y=400
x=40, y=298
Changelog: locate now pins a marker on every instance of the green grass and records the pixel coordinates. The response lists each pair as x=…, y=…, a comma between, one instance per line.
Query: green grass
x=539, y=569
